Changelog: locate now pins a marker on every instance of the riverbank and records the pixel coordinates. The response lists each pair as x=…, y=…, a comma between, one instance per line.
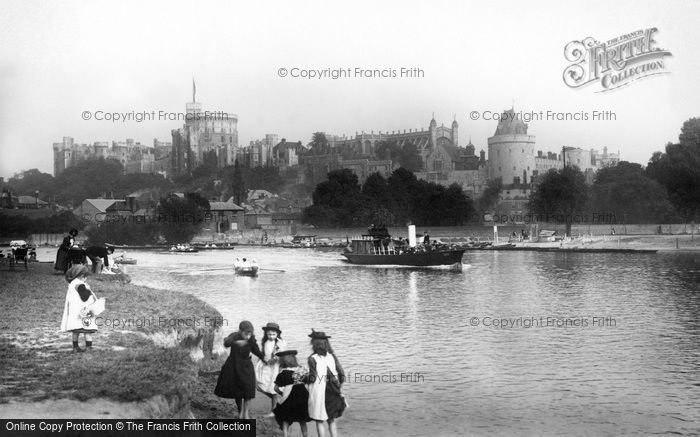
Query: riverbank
x=148, y=355
x=661, y=243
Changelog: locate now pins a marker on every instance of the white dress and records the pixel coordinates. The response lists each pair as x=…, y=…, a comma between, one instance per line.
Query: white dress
x=75, y=310
x=265, y=374
x=317, y=389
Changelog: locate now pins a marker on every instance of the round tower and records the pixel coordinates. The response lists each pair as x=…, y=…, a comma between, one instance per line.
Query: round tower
x=511, y=151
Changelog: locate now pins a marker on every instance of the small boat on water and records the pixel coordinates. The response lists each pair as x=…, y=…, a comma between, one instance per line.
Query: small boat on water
x=186, y=248
x=378, y=249
x=245, y=268
x=123, y=260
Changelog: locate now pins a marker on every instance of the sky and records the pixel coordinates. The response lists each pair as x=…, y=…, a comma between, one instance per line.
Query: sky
x=61, y=59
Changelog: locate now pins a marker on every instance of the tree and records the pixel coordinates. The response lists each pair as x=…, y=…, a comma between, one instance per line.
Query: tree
x=336, y=201
x=561, y=195
x=238, y=187
x=376, y=188
x=87, y=180
x=319, y=144
x=209, y=166
x=402, y=186
x=180, y=218
x=490, y=196
x=690, y=133
x=627, y=194
x=264, y=178
x=31, y=181
x=678, y=170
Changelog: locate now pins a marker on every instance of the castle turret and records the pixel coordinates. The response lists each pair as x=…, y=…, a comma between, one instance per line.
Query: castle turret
x=433, y=131
x=455, y=133
x=511, y=150
x=470, y=148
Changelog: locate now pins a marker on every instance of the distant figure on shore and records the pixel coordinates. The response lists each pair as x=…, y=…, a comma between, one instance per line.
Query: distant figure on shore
x=426, y=238
x=266, y=371
x=237, y=376
x=293, y=400
x=326, y=377
x=63, y=255
x=77, y=316
x=99, y=257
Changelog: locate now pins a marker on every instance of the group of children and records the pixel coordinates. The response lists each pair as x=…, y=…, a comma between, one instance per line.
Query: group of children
x=297, y=394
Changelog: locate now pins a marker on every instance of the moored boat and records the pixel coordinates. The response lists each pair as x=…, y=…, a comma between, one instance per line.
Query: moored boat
x=186, y=248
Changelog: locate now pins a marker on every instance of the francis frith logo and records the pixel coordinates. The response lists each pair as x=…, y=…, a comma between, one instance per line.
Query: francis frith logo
x=616, y=62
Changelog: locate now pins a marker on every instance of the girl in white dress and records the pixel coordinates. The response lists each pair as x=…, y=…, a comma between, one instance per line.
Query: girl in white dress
x=326, y=377
x=266, y=370
x=77, y=317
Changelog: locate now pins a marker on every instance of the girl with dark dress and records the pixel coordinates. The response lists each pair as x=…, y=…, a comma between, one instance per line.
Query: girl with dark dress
x=326, y=376
x=293, y=401
x=237, y=376
x=62, y=255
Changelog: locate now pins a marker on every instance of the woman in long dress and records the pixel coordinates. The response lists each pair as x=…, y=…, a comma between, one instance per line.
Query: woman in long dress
x=326, y=377
x=62, y=255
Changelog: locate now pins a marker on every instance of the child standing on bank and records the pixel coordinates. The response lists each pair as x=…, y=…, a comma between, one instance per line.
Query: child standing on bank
x=77, y=317
x=266, y=370
x=237, y=376
x=293, y=400
x=326, y=376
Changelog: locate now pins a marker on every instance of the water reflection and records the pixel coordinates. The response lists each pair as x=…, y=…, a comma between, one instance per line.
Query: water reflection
x=638, y=375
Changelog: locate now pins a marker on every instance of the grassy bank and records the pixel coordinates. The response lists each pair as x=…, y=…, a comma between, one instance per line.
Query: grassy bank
x=126, y=364
x=144, y=347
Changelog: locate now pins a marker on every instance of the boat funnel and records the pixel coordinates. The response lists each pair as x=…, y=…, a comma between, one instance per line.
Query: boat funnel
x=412, y=235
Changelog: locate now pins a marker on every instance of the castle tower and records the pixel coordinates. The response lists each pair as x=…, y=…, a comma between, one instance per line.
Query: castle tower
x=511, y=151
x=433, y=131
x=470, y=148
x=455, y=133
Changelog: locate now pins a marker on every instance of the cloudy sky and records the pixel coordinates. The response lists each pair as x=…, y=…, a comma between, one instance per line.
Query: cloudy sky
x=59, y=59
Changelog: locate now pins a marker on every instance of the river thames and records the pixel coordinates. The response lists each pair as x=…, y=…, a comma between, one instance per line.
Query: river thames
x=519, y=343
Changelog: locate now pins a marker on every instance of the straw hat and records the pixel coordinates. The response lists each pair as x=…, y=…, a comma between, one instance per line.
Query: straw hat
x=318, y=335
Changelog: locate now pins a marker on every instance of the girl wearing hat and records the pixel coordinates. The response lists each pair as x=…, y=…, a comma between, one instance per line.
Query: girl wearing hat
x=293, y=400
x=326, y=376
x=77, y=317
x=266, y=371
x=237, y=376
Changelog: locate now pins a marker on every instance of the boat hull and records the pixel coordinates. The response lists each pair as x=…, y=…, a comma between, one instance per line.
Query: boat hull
x=419, y=259
x=246, y=271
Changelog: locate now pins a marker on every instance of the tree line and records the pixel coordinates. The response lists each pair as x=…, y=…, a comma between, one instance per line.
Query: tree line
x=341, y=201
x=666, y=191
